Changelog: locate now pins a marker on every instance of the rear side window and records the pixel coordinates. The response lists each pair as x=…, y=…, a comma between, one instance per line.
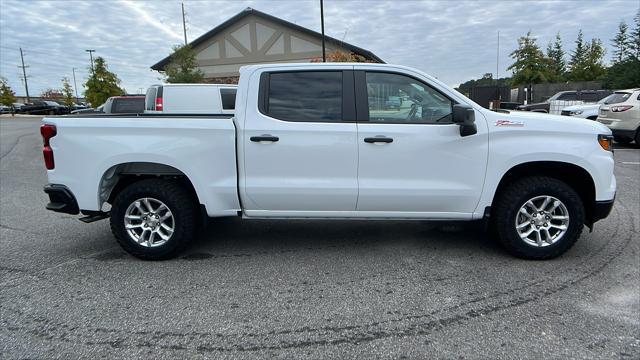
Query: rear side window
x=127, y=105
x=150, y=99
x=228, y=97
x=305, y=96
x=590, y=97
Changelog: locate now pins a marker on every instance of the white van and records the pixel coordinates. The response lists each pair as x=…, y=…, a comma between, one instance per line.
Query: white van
x=191, y=99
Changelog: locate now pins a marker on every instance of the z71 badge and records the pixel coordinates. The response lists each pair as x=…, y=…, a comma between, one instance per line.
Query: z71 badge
x=509, y=123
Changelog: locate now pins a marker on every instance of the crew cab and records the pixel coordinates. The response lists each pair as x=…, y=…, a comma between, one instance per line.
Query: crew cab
x=316, y=141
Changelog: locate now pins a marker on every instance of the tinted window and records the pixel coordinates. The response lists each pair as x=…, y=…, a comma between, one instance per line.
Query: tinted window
x=127, y=105
x=228, y=98
x=590, y=97
x=150, y=99
x=305, y=96
x=567, y=97
x=397, y=98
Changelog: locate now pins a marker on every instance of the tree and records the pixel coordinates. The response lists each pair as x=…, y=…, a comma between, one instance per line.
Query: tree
x=343, y=56
x=102, y=83
x=623, y=75
x=586, y=60
x=634, y=42
x=183, y=67
x=67, y=92
x=558, y=66
x=7, y=96
x=530, y=66
x=621, y=43
x=51, y=94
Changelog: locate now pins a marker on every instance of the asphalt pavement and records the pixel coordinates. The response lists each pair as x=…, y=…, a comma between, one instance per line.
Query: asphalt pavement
x=318, y=289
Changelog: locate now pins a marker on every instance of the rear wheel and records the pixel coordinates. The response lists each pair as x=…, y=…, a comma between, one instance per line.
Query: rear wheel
x=154, y=219
x=638, y=137
x=538, y=218
x=622, y=139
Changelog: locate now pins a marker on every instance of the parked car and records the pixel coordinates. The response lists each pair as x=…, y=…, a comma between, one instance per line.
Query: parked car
x=5, y=109
x=587, y=96
x=44, y=108
x=585, y=111
x=621, y=114
x=393, y=102
x=124, y=104
x=508, y=105
x=306, y=143
x=191, y=99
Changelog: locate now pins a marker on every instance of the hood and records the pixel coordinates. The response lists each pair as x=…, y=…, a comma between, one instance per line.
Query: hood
x=582, y=107
x=546, y=122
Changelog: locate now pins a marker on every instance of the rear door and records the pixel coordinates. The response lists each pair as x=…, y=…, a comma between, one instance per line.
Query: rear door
x=412, y=160
x=300, y=145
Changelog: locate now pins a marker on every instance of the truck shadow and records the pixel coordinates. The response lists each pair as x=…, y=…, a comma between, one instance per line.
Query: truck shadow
x=237, y=236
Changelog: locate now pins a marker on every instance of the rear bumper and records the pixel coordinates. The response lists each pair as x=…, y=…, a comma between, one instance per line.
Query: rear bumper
x=624, y=133
x=602, y=209
x=61, y=199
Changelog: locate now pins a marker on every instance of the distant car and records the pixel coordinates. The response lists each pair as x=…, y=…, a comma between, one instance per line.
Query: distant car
x=191, y=99
x=507, y=105
x=5, y=109
x=585, y=111
x=18, y=106
x=393, y=102
x=125, y=104
x=621, y=114
x=44, y=108
x=587, y=96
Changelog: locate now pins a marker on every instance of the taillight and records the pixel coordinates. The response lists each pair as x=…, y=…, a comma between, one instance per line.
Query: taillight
x=621, y=108
x=48, y=131
x=159, y=104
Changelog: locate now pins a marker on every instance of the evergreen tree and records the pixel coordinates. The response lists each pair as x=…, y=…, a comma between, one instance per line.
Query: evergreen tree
x=556, y=55
x=634, y=42
x=102, y=84
x=621, y=43
x=7, y=96
x=67, y=92
x=578, y=56
x=587, y=60
x=530, y=66
x=183, y=67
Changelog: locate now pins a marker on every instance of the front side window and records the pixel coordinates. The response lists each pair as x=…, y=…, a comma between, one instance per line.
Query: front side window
x=305, y=96
x=228, y=97
x=395, y=98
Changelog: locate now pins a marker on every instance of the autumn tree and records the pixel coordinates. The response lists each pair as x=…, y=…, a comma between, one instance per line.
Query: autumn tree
x=342, y=56
x=530, y=66
x=7, y=95
x=102, y=84
x=557, y=63
x=67, y=92
x=183, y=67
x=51, y=94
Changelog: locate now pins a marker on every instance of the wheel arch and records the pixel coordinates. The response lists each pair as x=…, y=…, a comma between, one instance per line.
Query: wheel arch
x=573, y=175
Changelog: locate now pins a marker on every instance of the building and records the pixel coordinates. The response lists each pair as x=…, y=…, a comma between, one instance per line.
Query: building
x=253, y=37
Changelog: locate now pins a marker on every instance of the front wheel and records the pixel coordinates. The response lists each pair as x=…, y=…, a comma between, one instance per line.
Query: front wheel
x=538, y=218
x=154, y=219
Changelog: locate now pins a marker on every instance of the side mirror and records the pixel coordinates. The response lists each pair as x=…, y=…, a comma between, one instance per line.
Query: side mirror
x=464, y=115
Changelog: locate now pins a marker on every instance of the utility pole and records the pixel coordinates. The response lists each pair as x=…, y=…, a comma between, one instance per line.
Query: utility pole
x=91, y=51
x=324, y=56
x=498, y=56
x=184, y=25
x=24, y=74
x=75, y=87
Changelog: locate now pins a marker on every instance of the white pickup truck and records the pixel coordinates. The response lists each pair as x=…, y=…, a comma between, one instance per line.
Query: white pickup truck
x=334, y=141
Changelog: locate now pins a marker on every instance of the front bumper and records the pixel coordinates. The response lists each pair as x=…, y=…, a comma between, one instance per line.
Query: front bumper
x=602, y=209
x=624, y=133
x=61, y=199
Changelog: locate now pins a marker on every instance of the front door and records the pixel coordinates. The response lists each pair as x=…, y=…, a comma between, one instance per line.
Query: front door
x=301, y=148
x=412, y=158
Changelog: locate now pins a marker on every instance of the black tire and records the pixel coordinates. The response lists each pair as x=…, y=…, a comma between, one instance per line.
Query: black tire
x=515, y=195
x=637, y=139
x=622, y=140
x=182, y=205
x=51, y=112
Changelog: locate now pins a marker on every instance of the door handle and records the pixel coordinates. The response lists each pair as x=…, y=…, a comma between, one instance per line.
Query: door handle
x=265, y=137
x=378, y=139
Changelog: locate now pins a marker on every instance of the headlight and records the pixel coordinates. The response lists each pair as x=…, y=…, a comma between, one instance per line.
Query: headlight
x=576, y=112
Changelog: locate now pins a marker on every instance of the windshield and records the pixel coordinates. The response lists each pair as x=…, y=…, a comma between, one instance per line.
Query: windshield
x=617, y=98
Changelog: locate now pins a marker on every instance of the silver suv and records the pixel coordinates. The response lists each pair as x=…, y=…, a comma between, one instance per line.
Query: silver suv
x=621, y=114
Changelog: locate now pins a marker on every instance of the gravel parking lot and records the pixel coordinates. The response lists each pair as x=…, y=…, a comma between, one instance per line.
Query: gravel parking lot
x=291, y=289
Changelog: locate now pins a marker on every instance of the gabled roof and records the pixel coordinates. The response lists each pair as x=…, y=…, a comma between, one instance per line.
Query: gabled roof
x=249, y=11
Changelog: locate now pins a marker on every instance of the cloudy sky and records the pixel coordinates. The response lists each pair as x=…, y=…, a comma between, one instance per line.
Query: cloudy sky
x=452, y=40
